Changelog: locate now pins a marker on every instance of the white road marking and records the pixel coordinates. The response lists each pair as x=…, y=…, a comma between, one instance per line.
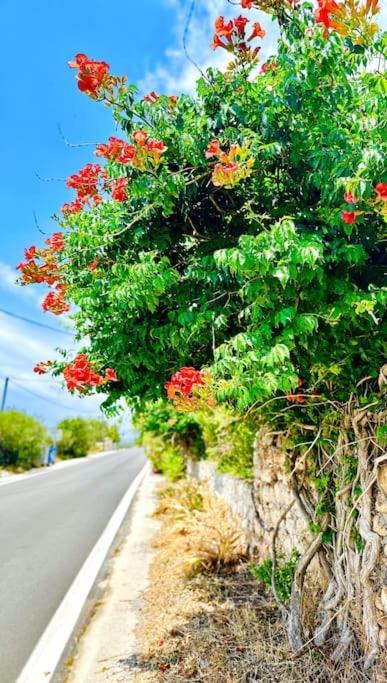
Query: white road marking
x=46, y=655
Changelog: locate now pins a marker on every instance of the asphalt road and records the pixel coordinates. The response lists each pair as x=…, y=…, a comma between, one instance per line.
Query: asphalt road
x=49, y=523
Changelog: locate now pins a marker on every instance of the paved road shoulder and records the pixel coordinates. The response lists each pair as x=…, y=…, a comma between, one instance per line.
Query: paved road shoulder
x=109, y=638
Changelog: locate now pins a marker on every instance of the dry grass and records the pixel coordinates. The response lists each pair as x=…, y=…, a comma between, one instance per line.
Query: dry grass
x=206, y=533
x=215, y=627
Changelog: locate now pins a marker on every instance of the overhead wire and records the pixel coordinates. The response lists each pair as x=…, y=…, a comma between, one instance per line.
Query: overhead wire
x=49, y=400
x=35, y=322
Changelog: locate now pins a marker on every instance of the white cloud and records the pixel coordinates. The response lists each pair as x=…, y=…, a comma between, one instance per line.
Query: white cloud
x=21, y=347
x=176, y=73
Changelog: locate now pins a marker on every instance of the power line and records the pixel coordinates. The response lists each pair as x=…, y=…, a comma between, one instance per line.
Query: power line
x=185, y=39
x=49, y=400
x=33, y=379
x=35, y=322
x=36, y=379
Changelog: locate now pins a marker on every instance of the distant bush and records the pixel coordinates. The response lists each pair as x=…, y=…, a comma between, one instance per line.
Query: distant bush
x=76, y=439
x=101, y=430
x=113, y=433
x=22, y=439
x=80, y=436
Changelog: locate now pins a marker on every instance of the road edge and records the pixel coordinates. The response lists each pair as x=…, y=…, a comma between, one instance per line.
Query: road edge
x=39, y=471
x=45, y=657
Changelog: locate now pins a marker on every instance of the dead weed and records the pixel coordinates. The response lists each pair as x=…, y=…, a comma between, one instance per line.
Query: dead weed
x=215, y=627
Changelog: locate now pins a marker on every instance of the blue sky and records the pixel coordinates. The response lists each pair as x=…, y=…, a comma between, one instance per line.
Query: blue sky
x=140, y=39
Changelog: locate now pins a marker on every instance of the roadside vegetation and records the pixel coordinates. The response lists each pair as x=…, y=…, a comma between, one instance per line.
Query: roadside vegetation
x=79, y=436
x=225, y=260
x=24, y=440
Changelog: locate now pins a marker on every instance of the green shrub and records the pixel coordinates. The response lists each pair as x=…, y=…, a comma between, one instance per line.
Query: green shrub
x=219, y=433
x=100, y=430
x=283, y=576
x=22, y=439
x=113, y=433
x=164, y=456
x=229, y=439
x=160, y=418
x=77, y=437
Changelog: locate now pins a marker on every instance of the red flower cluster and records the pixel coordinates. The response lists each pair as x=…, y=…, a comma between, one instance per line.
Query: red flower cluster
x=80, y=375
x=381, y=192
x=55, y=301
x=93, y=265
x=345, y=17
x=43, y=367
x=148, y=151
x=110, y=375
x=144, y=153
x=349, y=198
x=140, y=137
x=74, y=207
x=92, y=75
x=33, y=272
x=116, y=150
x=118, y=189
x=55, y=242
x=47, y=271
x=295, y=398
x=213, y=149
x=190, y=390
x=232, y=37
x=152, y=97
x=183, y=382
x=348, y=217
x=31, y=252
x=269, y=66
x=88, y=183
x=323, y=12
x=233, y=166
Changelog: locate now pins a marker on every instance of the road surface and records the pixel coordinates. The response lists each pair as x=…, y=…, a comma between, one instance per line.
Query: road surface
x=49, y=523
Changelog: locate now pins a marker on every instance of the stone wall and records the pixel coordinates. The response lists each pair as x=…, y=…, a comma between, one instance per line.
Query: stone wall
x=237, y=492
x=259, y=504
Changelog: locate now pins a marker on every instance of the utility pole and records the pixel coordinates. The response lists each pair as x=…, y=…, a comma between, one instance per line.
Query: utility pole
x=4, y=394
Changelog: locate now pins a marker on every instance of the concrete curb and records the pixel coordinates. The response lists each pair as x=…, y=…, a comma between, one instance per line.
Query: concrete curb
x=41, y=666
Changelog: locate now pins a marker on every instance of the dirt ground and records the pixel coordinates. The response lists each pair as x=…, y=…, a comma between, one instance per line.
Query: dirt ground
x=210, y=622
